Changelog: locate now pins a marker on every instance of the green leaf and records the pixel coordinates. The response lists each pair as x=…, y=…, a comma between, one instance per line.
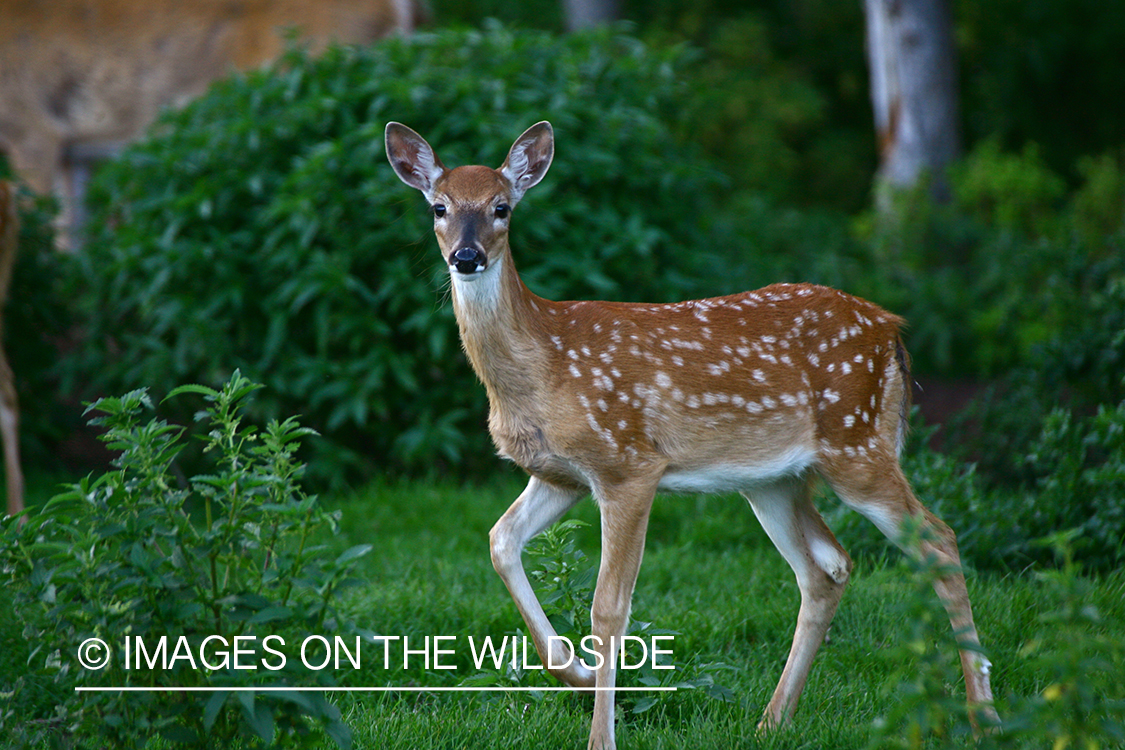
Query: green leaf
x=258, y=715
x=200, y=390
x=271, y=614
x=353, y=553
x=212, y=707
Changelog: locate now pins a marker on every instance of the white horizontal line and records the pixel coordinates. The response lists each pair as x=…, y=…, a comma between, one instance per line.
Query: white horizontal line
x=391, y=689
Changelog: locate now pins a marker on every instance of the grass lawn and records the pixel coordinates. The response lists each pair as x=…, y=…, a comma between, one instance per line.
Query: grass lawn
x=711, y=576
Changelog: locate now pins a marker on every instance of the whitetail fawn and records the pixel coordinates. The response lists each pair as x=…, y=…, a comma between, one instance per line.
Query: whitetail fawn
x=759, y=392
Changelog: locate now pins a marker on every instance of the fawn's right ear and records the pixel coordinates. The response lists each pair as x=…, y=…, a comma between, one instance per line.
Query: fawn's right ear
x=413, y=160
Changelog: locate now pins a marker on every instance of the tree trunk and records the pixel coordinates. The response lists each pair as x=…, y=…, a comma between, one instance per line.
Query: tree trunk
x=584, y=14
x=913, y=92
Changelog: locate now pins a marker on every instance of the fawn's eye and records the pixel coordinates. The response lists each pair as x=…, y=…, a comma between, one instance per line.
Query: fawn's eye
x=503, y=210
x=438, y=209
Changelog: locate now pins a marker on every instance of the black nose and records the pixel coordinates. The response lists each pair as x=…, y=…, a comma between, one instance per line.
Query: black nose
x=468, y=260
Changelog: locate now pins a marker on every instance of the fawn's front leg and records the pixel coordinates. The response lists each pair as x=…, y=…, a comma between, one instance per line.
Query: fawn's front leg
x=624, y=516
x=537, y=507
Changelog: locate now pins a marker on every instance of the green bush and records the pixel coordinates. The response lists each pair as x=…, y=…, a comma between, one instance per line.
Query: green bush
x=1072, y=652
x=261, y=228
x=1079, y=369
x=1097, y=207
x=1009, y=264
x=138, y=554
x=1015, y=193
x=1079, y=467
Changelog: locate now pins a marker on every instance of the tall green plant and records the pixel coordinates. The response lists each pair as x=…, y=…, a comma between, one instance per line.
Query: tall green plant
x=190, y=571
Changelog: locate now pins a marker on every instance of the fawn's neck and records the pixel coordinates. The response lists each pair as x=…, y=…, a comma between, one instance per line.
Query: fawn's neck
x=502, y=332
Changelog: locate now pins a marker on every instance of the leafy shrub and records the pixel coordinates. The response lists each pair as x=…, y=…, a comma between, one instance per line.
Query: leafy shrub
x=1079, y=466
x=261, y=228
x=564, y=579
x=1078, y=369
x=1081, y=702
x=137, y=554
x=999, y=271
x=1097, y=207
x=771, y=242
x=1015, y=193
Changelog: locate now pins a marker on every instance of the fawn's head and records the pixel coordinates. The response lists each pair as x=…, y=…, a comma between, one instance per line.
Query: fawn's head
x=471, y=205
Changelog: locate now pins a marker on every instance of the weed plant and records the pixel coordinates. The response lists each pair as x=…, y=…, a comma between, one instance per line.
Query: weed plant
x=190, y=569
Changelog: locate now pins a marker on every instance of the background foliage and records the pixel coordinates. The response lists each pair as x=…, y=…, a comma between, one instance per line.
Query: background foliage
x=709, y=148
x=261, y=228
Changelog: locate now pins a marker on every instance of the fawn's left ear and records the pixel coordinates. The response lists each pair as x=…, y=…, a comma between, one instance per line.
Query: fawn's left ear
x=529, y=159
x=413, y=160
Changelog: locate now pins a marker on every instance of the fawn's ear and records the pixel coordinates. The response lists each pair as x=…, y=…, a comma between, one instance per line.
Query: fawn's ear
x=413, y=160
x=529, y=159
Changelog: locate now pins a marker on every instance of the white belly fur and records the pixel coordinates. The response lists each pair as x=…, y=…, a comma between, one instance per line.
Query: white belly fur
x=719, y=477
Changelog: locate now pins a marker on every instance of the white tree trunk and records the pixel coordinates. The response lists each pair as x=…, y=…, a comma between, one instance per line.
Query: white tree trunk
x=584, y=14
x=913, y=89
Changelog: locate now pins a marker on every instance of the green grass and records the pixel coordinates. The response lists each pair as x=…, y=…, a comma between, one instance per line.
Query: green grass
x=710, y=575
